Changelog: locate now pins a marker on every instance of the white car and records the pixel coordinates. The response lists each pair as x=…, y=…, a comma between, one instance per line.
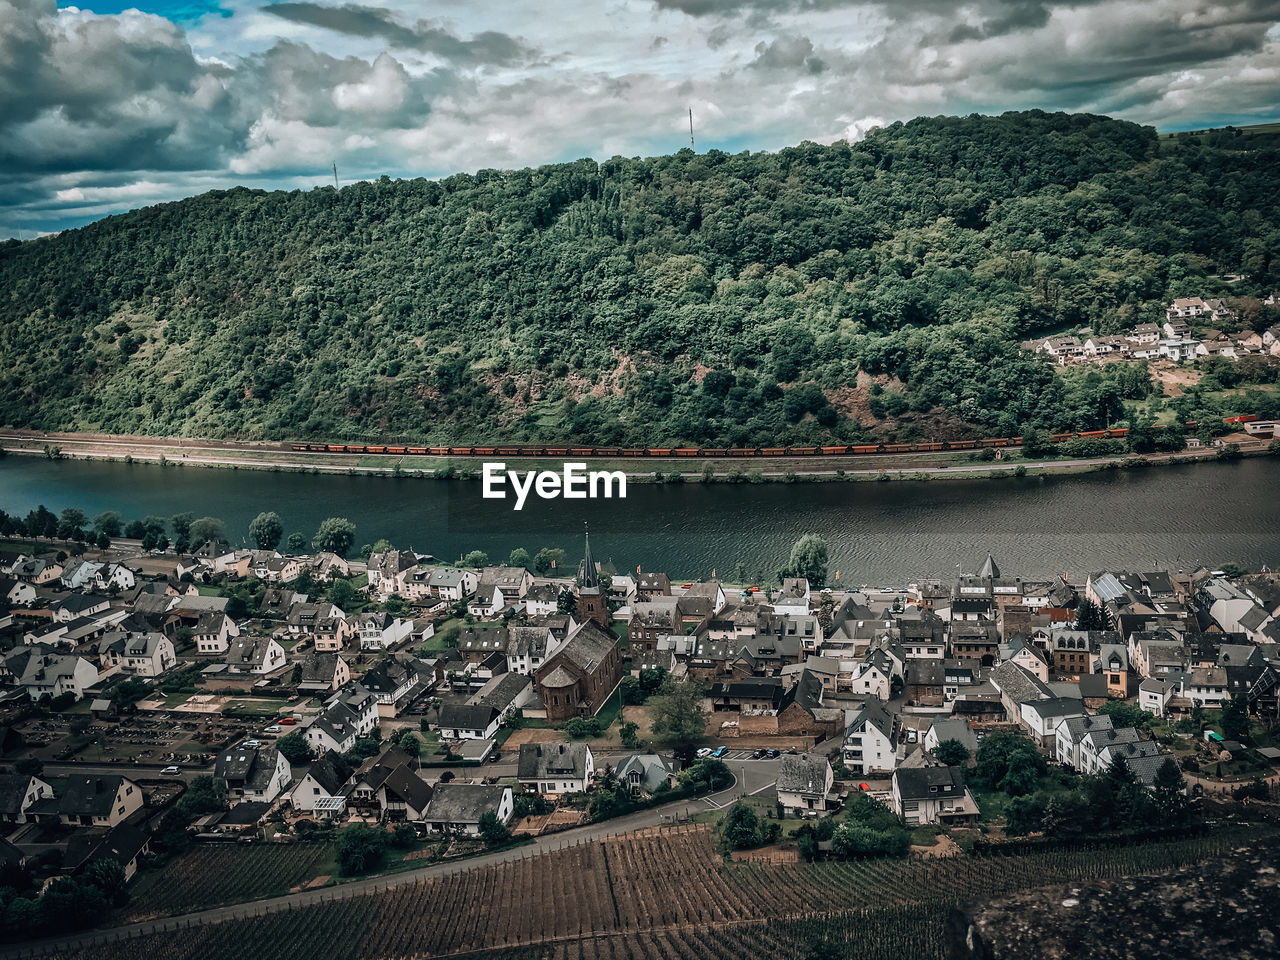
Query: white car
x=274, y=728
x=704, y=752
x=252, y=743
x=170, y=772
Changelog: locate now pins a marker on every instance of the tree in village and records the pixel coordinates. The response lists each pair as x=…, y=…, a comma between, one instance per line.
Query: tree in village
x=1089, y=616
x=205, y=529
x=335, y=535
x=676, y=716
x=952, y=752
x=808, y=560
x=266, y=529
x=1235, y=718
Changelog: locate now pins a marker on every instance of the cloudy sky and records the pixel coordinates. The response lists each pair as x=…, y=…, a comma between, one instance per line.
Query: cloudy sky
x=108, y=106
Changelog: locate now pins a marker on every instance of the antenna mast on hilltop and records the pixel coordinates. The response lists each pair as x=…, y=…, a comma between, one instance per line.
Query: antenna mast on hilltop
x=691, y=146
x=335, y=177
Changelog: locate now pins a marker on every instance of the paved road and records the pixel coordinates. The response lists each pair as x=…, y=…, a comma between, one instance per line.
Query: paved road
x=752, y=777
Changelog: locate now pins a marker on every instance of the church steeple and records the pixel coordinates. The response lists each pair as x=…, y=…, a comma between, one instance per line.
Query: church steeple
x=592, y=602
x=589, y=576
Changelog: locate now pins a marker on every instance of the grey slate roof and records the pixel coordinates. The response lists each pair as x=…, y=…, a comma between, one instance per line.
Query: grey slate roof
x=915, y=783
x=463, y=802
x=803, y=773
x=549, y=761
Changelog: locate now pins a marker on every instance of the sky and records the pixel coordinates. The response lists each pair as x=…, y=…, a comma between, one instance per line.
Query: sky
x=108, y=107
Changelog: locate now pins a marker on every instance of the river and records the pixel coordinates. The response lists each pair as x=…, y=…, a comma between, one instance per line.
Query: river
x=1173, y=516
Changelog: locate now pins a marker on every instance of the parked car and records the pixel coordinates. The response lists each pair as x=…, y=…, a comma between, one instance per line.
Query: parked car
x=495, y=757
x=773, y=754
x=719, y=751
x=251, y=743
x=170, y=772
x=759, y=754
x=704, y=752
x=274, y=728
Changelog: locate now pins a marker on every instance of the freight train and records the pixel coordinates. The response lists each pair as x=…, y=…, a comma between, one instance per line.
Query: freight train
x=838, y=450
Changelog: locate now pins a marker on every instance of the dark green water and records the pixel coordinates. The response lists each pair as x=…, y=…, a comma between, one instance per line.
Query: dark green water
x=1174, y=516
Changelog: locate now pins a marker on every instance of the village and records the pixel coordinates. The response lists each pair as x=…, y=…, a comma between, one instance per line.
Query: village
x=465, y=710
x=1191, y=330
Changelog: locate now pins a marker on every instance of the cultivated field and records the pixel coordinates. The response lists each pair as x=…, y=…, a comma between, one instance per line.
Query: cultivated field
x=665, y=893
x=212, y=875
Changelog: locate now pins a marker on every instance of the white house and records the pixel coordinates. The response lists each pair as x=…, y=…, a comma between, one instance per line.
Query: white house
x=555, y=768
x=319, y=786
x=1041, y=718
x=258, y=655
x=55, y=674
x=213, y=632
x=804, y=783
x=145, y=654
x=381, y=631
x=452, y=585
x=459, y=807
x=253, y=773
x=871, y=744
x=932, y=795
x=460, y=721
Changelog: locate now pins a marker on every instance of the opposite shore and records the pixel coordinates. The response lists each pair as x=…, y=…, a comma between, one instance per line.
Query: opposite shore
x=269, y=456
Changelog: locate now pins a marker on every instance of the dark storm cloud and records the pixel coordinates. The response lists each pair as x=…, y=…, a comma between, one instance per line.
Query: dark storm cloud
x=788, y=54
x=489, y=47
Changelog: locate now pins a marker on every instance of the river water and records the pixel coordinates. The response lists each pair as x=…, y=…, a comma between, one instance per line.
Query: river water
x=1176, y=517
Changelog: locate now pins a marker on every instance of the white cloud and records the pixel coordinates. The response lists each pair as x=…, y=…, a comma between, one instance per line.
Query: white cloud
x=108, y=103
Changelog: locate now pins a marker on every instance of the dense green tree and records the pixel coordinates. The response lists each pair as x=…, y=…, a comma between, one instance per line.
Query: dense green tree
x=204, y=529
x=808, y=559
x=335, y=535
x=519, y=558
x=1124, y=714
x=676, y=717
x=1089, y=616
x=266, y=529
x=952, y=752
x=361, y=848
x=740, y=828
x=71, y=524
x=492, y=830
x=548, y=559
x=477, y=559
x=294, y=747
x=1235, y=718
x=108, y=522
x=296, y=543
x=204, y=795
x=1009, y=762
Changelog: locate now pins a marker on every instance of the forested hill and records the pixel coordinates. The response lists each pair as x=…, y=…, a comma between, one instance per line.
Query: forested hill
x=841, y=291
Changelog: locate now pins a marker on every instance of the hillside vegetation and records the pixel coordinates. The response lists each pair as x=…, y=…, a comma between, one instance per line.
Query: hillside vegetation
x=817, y=292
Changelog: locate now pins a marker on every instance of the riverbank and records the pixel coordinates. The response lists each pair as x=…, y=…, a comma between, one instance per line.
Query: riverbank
x=967, y=465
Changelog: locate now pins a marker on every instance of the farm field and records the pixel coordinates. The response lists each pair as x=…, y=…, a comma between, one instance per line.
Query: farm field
x=664, y=892
x=211, y=875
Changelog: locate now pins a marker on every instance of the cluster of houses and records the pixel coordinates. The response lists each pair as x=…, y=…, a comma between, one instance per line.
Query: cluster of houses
x=877, y=680
x=1173, y=340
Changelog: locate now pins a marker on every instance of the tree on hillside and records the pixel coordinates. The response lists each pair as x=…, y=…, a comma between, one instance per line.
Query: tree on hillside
x=361, y=848
x=335, y=535
x=519, y=558
x=266, y=529
x=808, y=559
x=676, y=716
x=296, y=543
x=476, y=558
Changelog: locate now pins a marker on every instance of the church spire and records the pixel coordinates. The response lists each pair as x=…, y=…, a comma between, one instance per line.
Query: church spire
x=589, y=576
